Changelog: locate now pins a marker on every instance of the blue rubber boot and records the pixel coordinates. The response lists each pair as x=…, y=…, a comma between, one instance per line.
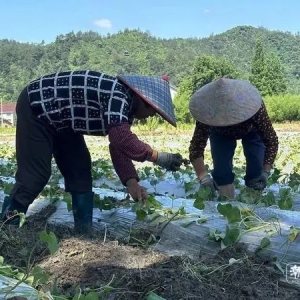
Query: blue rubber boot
x=82, y=204
x=7, y=213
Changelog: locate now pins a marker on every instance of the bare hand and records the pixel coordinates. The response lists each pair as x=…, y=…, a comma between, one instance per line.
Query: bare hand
x=136, y=191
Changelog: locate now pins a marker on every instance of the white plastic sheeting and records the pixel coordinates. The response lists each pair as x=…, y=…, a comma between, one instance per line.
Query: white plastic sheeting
x=7, y=289
x=175, y=239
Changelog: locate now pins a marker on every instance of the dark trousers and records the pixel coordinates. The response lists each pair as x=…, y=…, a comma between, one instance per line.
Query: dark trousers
x=36, y=144
x=222, y=151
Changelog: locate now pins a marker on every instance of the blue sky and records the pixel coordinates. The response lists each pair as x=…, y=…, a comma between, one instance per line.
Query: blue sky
x=37, y=20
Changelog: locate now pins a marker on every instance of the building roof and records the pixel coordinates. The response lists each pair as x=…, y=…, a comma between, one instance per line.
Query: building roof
x=8, y=108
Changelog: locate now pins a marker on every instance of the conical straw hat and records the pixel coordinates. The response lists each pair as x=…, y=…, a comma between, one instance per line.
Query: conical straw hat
x=155, y=91
x=225, y=102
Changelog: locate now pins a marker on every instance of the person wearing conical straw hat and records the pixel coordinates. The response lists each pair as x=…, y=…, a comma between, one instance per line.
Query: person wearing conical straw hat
x=55, y=111
x=227, y=110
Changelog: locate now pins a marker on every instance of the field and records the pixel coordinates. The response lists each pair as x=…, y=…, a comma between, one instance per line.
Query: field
x=131, y=261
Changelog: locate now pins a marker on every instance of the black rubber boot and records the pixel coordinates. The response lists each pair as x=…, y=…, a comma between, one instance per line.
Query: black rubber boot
x=82, y=204
x=8, y=211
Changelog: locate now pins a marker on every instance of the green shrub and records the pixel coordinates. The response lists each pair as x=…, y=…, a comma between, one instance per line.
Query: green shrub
x=283, y=108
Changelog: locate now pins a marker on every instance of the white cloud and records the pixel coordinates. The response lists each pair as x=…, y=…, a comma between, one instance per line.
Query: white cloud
x=206, y=11
x=103, y=23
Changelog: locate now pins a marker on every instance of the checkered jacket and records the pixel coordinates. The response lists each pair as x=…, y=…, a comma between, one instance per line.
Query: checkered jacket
x=85, y=101
x=91, y=103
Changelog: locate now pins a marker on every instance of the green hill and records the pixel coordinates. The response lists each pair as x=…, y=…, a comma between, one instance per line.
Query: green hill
x=134, y=51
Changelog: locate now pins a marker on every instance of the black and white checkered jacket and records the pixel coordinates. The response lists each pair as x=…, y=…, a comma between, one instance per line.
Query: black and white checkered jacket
x=84, y=101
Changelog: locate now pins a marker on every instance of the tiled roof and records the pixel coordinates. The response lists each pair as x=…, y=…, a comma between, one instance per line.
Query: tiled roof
x=8, y=108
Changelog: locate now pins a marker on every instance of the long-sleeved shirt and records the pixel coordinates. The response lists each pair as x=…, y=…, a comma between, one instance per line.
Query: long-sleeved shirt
x=259, y=122
x=91, y=103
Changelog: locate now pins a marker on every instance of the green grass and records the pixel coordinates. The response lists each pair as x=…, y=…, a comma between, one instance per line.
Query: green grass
x=165, y=127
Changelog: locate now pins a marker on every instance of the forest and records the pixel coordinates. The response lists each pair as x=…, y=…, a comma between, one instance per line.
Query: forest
x=138, y=52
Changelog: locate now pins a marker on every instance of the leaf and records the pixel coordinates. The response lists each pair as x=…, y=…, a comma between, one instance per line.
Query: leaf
x=68, y=199
x=107, y=203
x=55, y=290
x=40, y=277
x=137, y=206
x=182, y=211
x=294, y=232
x=285, y=204
x=199, y=204
x=151, y=201
x=29, y=280
x=141, y=214
x=286, y=200
x=231, y=236
x=153, y=296
x=269, y=199
x=147, y=171
x=50, y=239
x=188, y=186
x=231, y=213
x=204, y=193
x=274, y=176
x=20, y=276
x=153, y=181
x=7, y=188
x=264, y=243
x=91, y=296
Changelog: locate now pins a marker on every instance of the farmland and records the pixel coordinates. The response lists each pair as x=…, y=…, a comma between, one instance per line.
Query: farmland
x=126, y=260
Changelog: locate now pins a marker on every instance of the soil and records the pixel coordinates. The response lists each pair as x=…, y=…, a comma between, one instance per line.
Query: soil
x=122, y=271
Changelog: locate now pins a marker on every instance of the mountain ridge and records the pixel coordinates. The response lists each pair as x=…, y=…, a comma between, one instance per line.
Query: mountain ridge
x=136, y=51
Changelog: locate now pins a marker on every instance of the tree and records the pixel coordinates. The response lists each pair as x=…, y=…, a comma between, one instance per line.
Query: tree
x=258, y=69
x=147, y=55
x=276, y=82
x=266, y=72
x=206, y=70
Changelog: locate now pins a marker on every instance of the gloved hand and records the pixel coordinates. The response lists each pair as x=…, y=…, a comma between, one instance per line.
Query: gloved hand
x=260, y=182
x=169, y=161
x=208, y=182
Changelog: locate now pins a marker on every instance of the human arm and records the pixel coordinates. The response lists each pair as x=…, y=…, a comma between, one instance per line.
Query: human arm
x=125, y=147
x=197, y=147
x=196, y=150
x=199, y=167
x=122, y=138
x=268, y=135
x=126, y=142
x=127, y=174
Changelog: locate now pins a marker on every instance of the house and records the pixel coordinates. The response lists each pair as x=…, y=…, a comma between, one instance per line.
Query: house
x=173, y=91
x=8, y=114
